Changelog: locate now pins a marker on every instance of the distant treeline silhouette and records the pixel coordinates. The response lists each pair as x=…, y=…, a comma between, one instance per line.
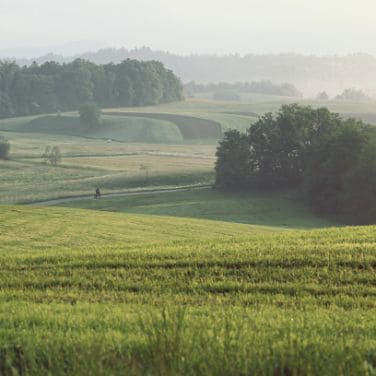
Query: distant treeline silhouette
x=311, y=74
x=52, y=86
x=259, y=87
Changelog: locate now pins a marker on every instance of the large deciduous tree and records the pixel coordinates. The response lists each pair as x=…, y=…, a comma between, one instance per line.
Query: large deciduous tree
x=90, y=115
x=330, y=159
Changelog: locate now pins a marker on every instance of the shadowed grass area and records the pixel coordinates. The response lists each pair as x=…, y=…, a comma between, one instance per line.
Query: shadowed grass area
x=192, y=128
x=120, y=128
x=276, y=209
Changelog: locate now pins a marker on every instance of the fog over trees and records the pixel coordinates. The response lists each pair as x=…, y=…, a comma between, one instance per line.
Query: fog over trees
x=310, y=74
x=224, y=90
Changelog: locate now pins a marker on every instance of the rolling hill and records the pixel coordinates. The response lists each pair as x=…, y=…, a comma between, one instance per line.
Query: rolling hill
x=125, y=128
x=87, y=292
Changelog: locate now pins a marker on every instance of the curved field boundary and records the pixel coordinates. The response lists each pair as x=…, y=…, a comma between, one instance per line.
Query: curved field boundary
x=192, y=128
x=119, y=128
x=242, y=113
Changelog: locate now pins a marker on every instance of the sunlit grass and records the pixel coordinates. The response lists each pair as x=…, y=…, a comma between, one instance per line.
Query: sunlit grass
x=87, y=292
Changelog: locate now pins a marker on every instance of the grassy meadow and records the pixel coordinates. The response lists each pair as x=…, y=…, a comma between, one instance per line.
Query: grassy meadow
x=87, y=163
x=87, y=292
x=159, y=146
x=271, y=209
x=191, y=282
x=240, y=114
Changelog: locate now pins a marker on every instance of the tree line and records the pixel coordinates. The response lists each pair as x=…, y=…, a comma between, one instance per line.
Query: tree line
x=331, y=160
x=350, y=94
x=51, y=86
x=309, y=73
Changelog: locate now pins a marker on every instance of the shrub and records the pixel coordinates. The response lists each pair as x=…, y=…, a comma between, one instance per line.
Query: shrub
x=4, y=148
x=52, y=155
x=90, y=115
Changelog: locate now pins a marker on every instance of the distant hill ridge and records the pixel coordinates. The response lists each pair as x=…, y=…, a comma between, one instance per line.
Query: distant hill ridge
x=310, y=74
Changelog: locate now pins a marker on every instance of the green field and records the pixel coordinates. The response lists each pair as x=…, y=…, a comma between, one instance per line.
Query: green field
x=159, y=146
x=118, y=128
x=26, y=181
x=88, y=292
x=187, y=282
x=113, y=165
x=191, y=128
x=272, y=209
x=248, y=111
x=125, y=152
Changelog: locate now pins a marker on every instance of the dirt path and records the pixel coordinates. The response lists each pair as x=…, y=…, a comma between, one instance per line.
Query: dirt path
x=120, y=194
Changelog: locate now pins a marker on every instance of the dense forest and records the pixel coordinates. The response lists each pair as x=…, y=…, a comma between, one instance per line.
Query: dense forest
x=311, y=74
x=52, y=86
x=258, y=87
x=331, y=160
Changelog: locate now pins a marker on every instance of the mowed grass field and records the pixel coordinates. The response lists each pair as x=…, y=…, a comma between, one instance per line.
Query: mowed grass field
x=92, y=292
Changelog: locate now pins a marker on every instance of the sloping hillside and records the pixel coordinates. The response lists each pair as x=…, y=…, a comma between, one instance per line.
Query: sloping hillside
x=86, y=292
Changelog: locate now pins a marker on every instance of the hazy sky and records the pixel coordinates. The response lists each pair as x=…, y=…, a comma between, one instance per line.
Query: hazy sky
x=186, y=26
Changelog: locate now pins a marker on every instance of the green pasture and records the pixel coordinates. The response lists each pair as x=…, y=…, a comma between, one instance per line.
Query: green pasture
x=87, y=164
x=196, y=282
x=92, y=292
x=25, y=181
x=127, y=129
x=90, y=162
x=32, y=145
x=274, y=209
x=133, y=148
x=252, y=107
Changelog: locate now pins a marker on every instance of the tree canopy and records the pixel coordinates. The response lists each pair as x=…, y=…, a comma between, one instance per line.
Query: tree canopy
x=352, y=94
x=90, y=115
x=4, y=148
x=54, y=87
x=307, y=72
x=330, y=159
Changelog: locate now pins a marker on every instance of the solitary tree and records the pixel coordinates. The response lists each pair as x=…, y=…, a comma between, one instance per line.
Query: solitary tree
x=4, y=148
x=52, y=155
x=90, y=115
x=145, y=169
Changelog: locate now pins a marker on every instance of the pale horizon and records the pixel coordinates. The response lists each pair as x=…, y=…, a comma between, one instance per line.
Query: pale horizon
x=214, y=27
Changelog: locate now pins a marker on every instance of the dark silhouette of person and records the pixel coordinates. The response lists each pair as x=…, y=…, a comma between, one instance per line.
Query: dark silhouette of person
x=97, y=193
